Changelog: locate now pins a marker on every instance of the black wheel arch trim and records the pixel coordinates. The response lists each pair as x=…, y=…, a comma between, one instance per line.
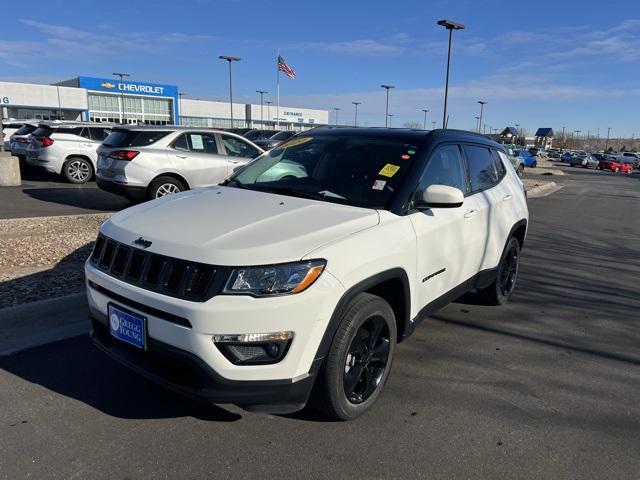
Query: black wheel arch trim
x=360, y=287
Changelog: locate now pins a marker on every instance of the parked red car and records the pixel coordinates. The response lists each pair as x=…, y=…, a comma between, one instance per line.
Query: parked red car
x=614, y=166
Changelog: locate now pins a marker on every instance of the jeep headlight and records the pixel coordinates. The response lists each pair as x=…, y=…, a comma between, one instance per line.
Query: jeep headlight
x=270, y=280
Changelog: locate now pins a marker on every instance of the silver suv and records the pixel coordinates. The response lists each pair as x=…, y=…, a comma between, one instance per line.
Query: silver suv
x=145, y=162
x=67, y=148
x=19, y=139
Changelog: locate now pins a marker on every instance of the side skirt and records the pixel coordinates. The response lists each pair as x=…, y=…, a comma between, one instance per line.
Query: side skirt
x=479, y=280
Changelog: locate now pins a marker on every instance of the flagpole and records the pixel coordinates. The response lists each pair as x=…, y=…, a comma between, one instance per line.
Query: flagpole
x=278, y=90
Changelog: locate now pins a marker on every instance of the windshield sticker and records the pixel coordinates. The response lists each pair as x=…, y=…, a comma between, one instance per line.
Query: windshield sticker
x=405, y=157
x=389, y=170
x=379, y=185
x=295, y=142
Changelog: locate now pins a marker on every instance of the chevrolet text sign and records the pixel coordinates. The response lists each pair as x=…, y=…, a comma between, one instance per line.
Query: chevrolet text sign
x=131, y=88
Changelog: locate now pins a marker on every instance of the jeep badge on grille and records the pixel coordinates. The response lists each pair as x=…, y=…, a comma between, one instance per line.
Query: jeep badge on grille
x=142, y=242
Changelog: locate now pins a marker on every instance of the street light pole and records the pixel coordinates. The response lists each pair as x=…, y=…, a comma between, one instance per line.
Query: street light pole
x=482, y=104
x=433, y=124
x=121, y=75
x=424, y=124
x=355, y=121
x=337, y=109
x=577, y=132
x=564, y=143
x=477, y=124
x=268, y=103
x=451, y=26
x=386, y=111
x=230, y=59
x=390, y=116
x=261, y=92
x=606, y=145
x=517, y=132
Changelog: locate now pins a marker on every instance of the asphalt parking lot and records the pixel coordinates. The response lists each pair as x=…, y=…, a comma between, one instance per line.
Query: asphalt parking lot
x=544, y=387
x=43, y=194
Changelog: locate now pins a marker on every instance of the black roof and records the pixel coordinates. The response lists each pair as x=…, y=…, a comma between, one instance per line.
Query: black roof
x=544, y=132
x=401, y=134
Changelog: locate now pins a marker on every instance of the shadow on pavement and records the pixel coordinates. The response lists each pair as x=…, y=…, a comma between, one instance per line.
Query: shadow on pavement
x=86, y=197
x=76, y=369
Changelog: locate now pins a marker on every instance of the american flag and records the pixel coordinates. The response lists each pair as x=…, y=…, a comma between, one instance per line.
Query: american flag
x=283, y=67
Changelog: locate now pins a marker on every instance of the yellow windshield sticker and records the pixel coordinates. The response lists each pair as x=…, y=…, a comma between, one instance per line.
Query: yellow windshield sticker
x=389, y=170
x=295, y=142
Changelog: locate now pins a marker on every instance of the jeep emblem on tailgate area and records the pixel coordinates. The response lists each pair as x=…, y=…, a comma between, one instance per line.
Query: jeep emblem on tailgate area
x=142, y=242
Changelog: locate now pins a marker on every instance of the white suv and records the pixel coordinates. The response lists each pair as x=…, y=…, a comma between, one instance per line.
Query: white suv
x=67, y=149
x=259, y=291
x=141, y=162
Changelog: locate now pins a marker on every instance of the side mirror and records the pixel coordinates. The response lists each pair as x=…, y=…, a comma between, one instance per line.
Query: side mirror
x=442, y=196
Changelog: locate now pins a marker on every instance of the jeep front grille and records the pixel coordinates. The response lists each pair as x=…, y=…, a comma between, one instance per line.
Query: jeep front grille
x=170, y=276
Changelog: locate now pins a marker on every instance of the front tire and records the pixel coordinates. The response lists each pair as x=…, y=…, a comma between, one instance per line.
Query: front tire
x=77, y=170
x=500, y=290
x=163, y=186
x=359, y=359
x=520, y=170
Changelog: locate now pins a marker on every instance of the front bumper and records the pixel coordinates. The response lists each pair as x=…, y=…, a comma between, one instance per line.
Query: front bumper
x=203, y=372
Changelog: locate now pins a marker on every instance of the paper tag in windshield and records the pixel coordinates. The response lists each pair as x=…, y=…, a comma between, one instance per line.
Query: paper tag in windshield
x=389, y=170
x=295, y=142
x=379, y=185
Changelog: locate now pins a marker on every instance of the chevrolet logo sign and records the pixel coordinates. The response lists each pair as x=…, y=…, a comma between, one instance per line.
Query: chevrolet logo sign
x=107, y=85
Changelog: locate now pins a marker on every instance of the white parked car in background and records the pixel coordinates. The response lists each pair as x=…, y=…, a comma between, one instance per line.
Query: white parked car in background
x=144, y=162
x=271, y=287
x=67, y=148
x=19, y=140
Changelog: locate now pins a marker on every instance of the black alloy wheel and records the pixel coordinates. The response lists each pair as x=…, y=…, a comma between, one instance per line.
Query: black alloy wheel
x=366, y=360
x=509, y=270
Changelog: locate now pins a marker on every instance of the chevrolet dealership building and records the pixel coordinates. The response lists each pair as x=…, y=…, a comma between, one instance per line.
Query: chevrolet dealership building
x=109, y=100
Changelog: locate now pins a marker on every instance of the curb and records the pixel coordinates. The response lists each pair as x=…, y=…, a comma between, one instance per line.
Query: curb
x=38, y=323
x=543, y=190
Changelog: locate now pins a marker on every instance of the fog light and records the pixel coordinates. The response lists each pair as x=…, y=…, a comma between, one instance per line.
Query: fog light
x=254, y=348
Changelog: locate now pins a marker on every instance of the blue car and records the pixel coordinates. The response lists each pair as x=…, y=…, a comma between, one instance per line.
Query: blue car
x=528, y=159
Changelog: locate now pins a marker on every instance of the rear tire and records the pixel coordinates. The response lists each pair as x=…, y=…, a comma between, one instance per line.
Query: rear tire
x=359, y=359
x=163, y=186
x=500, y=290
x=520, y=170
x=77, y=170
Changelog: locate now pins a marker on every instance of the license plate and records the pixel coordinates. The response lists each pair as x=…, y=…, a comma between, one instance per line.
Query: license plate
x=127, y=326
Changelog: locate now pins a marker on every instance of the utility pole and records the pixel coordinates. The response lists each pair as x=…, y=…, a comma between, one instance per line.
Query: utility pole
x=564, y=143
x=606, y=145
x=230, y=59
x=121, y=75
x=337, y=109
x=386, y=111
x=482, y=104
x=451, y=26
x=261, y=92
x=355, y=121
x=424, y=125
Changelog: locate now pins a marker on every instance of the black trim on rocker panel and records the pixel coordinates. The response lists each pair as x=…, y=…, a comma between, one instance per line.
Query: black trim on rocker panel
x=363, y=286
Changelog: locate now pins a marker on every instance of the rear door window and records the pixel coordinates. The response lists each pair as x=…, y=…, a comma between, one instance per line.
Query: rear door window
x=202, y=143
x=181, y=143
x=69, y=130
x=482, y=171
x=122, y=138
x=500, y=168
x=42, y=131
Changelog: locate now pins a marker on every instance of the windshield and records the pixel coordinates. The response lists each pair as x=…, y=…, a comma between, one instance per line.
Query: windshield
x=358, y=171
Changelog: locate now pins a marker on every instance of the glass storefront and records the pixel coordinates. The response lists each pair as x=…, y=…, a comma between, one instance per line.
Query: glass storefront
x=135, y=110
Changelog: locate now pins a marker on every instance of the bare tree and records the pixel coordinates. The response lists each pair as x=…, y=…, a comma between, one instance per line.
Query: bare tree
x=412, y=124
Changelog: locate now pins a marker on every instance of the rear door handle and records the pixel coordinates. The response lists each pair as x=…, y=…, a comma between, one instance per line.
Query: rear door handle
x=181, y=156
x=470, y=213
x=506, y=197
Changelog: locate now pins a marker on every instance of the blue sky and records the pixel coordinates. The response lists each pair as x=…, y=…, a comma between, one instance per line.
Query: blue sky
x=542, y=63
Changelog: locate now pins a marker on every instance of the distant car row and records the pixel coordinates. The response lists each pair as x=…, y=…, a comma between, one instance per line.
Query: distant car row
x=624, y=162
x=168, y=159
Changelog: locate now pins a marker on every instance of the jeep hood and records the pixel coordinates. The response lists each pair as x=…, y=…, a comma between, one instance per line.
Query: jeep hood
x=231, y=226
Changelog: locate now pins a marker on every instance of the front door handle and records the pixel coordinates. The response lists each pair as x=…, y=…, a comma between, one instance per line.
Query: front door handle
x=470, y=213
x=181, y=156
x=506, y=197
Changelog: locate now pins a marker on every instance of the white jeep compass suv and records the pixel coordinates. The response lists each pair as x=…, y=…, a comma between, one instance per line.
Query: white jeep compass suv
x=274, y=289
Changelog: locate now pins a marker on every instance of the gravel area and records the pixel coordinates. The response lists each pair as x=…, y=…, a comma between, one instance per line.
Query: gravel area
x=42, y=257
